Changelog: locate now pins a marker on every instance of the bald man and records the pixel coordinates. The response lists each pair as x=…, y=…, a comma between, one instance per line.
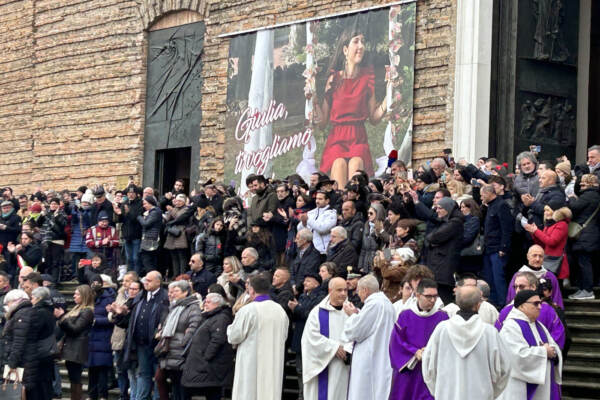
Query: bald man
x=325, y=369
x=23, y=273
x=550, y=194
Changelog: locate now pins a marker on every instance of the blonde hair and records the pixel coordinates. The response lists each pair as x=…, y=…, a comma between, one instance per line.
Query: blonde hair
x=235, y=263
x=456, y=187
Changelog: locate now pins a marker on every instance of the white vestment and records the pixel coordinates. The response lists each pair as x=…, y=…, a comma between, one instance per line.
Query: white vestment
x=528, y=364
x=412, y=301
x=260, y=330
x=318, y=353
x=487, y=312
x=465, y=360
x=370, y=330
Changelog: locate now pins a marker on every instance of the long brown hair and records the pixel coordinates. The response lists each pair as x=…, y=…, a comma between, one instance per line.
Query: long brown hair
x=338, y=60
x=87, y=300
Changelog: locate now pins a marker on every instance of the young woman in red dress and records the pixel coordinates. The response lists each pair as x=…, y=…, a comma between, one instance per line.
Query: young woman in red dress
x=349, y=101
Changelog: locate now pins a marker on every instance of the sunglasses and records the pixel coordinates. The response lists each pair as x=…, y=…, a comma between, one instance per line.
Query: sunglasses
x=535, y=303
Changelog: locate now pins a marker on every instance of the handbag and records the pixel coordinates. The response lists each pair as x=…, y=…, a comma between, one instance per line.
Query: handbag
x=12, y=391
x=149, y=244
x=162, y=348
x=575, y=229
x=553, y=263
x=475, y=248
x=174, y=231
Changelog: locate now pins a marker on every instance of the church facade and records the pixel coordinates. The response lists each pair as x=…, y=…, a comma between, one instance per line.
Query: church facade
x=98, y=91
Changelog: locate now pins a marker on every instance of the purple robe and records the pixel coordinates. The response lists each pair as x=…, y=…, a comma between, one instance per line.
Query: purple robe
x=411, y=333
x=549, y=276
x=548, y=318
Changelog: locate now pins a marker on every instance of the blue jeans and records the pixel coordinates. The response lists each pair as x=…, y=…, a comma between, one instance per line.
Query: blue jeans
x=132, y=251
x=493, y=273
x=147, y=365
x=122, y=378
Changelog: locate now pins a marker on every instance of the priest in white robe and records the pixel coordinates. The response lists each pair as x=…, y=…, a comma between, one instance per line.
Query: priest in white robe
x=259, y=331
x=464, y=358
x=370, y=330
x=535, y=358
x=325, y=366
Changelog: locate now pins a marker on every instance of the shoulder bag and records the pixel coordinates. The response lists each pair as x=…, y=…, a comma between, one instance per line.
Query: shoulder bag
x=475, y=248
x=575, y=229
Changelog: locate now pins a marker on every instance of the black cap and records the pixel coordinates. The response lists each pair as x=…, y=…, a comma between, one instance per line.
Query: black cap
x=523, y=296
x=99, y=191
x=315, y=276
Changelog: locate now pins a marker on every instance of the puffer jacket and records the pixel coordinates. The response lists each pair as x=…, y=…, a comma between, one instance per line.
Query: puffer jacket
x=13, y=228
x=39, y=361
x=14, y=334
x=210, y=359
x=187, y=324
x=80, y=223
x=76, y=330
x=212, y=245
x=354, y=227
x=54, y=226
x=100, y=352
x=151, y=224
x=526, y=183
x=583, y=207
x=443, y=246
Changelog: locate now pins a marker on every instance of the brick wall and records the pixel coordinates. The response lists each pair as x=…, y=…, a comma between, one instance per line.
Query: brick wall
x=72, y=83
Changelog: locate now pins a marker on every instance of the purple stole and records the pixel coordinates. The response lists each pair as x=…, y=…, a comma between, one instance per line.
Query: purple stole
x=530, y=339
x=324, y=330
x=262, y=297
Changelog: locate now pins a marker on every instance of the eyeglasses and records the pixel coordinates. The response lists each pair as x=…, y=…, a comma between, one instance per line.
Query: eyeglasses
x=430, y=296
x=535, y=303
x=520, y=287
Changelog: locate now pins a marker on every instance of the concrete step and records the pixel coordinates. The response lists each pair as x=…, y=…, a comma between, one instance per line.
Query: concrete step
x=583, y=358
x=581, y=305
x=584, y=330
x=580, y=371
x=581, y=388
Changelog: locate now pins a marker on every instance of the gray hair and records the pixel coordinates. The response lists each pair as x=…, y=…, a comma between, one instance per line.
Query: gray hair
x=439, y=161
x=305, y=234
x=526, y=155
x=41, y=293
x=368, y=282
x=215, y=298
x=595, y=147
x=251, y=252
x=341, y=231
x=15, y=294
x=199, y=254
x=467, y=298
x=484, y=287
x=183, y=285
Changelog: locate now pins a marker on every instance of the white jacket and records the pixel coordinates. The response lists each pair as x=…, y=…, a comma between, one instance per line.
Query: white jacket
x=320, y=221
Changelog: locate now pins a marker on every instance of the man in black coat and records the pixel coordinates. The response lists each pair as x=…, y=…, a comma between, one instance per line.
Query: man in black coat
x=201, y=277
x=101, y=204
x=149, y=309
x=341, y=252
x=307, y=260
x=497, y=231
x=131, y=230
x=550, y=194
x=281, y=290
x=353, y=223
x=208, y=368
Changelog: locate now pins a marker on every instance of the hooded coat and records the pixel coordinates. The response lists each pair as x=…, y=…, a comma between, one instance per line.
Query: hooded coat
x=583, y=207
x=100, y=351
x=443, y=245
x=553, y=238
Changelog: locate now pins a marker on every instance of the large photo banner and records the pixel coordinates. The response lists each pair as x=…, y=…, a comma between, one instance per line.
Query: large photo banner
x=333, y=95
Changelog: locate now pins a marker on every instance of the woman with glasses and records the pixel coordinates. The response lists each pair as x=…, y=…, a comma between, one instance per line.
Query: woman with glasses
x=371, y=242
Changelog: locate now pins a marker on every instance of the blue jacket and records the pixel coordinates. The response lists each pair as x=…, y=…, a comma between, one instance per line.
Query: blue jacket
x=498, y=227
x=80, y=218
x=552, y=196
x=100, y=352
x=201, y=280
x=471, y=229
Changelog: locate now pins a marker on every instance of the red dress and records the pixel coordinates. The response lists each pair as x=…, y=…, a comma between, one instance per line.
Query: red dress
x=349, y=108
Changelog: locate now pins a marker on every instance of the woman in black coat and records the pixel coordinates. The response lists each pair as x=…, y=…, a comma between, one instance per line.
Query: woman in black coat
x=588, y=241
x=76, y=325
x=18, y=316
x=212, y=245
x=208, y=368
x=443, y=245
x=472, y=228
x=151, y=222
x=33, y=344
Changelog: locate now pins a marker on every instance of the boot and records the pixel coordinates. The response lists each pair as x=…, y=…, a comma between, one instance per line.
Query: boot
x=76, y=391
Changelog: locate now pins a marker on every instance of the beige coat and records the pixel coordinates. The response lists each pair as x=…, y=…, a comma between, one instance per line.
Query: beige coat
x=117, y=340
x=179, y=242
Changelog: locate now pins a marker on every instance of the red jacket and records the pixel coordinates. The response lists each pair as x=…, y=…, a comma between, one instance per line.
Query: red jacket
x=553, y=239
x=95, y=235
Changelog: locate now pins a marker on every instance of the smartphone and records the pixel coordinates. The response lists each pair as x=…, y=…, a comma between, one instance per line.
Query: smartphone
x=475, y=183
x=409, y=174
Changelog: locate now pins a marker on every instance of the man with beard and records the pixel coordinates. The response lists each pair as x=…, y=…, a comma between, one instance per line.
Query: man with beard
x=353, y=223
x=319, y=220
x=278, y=221
x=166, y=200
x=264, y=200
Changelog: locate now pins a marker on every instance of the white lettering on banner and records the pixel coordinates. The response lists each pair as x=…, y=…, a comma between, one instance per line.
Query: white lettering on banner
x=252, y=120
x=261, y=157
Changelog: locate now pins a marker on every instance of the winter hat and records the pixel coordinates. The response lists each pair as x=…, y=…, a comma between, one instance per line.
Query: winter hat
x=88, y=197
x=523, y=296
x=315, y=276
x=447, y=204
x=151, y=200
x=181, y=197
x=36, y=208
x=102, y=216
x=564, y=167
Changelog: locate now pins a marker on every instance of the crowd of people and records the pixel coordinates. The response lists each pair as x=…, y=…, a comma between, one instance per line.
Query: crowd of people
x=431, y=283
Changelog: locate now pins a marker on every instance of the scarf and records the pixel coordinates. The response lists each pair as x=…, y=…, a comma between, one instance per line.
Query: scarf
x=172, y=321
x=8, y=214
